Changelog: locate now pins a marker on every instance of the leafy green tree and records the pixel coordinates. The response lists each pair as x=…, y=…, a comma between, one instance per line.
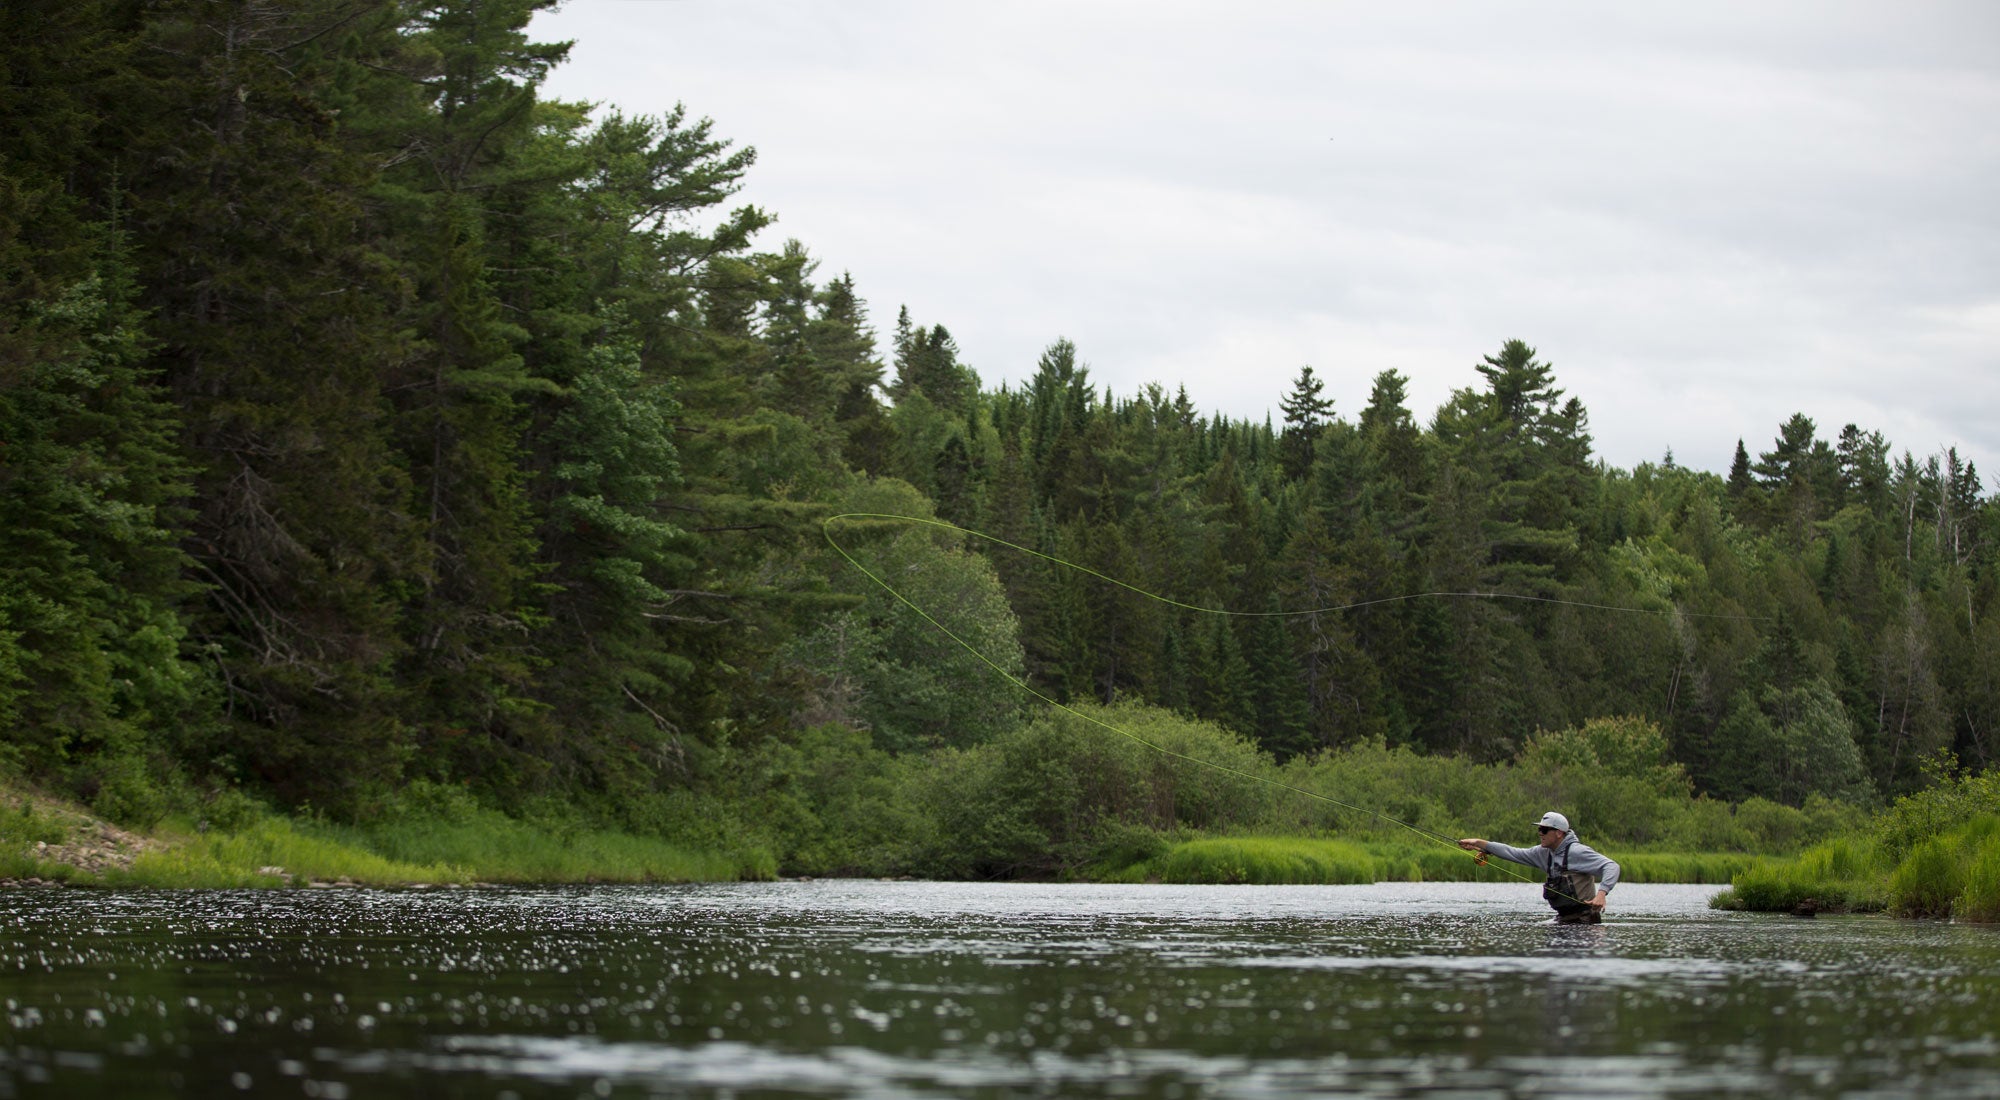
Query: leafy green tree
x=1060, y=406
x=1787, y=744
x=885, y=665
x=1522, y=387
x=1224, y=679
x=1340, y=683
x=793, y=379
x=1625, y=747
x=617, y=561
x=470, y=377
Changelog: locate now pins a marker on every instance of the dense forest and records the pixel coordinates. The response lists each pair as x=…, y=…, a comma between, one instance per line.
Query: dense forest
x=369, y=419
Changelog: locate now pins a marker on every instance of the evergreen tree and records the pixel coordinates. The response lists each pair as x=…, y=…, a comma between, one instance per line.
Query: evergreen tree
x=1864, y=468
x=279, y=325
x=1394, y=446
x=1306, y=412
x=1739, y=472
x=1522, y=388
x=95, y=673
x=927, y=363
x=841, y=338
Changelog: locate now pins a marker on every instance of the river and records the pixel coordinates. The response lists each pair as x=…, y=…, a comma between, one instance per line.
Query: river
x=907, y=989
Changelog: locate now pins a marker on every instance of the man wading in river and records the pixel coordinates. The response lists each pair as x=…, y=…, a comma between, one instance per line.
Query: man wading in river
x=1579, y=879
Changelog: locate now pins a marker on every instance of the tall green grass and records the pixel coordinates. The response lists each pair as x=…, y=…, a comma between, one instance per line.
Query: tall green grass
x=492, y=847
x=467, y=845
x=1279, y=860
x=1840, y=875
x=1265, y=860
x=1953, y=874
x=1928, y=880
x=22, y=826
x=1980, y=900
x=1935, y=879
x=300, y=853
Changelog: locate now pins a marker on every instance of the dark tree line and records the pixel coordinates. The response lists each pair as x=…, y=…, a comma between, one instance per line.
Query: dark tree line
x=366, y=416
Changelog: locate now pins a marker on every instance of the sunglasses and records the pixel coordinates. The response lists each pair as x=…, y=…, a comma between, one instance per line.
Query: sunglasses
x=1547, y=829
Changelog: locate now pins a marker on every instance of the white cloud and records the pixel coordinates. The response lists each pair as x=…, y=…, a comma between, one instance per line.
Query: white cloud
x=1708, y=216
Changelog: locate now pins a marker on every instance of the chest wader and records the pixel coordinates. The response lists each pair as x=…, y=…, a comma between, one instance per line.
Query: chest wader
x=1568, y=893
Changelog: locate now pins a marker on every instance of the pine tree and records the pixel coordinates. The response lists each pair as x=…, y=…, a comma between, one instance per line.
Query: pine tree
x=95, y=671
x=927, y=362
x=841, y=339
x=1522, y=387
x=1306, y=412
x=1864, y=468
x=278, y=321
x=1739, y=472
x=794, y=380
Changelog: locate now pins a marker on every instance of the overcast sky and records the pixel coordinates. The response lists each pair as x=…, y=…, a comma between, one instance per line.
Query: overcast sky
x=1707, y=216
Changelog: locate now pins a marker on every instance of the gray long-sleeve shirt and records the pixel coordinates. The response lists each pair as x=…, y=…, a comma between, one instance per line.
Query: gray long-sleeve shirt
x=1571, y=853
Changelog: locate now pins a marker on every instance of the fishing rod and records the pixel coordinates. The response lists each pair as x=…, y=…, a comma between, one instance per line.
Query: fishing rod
x=826, y=529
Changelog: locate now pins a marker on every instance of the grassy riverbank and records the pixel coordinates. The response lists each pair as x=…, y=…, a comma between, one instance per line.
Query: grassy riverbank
x=452, y=842
x=47, y=840
x=1065, y=799
x=1934, y=854
x=1280, y=860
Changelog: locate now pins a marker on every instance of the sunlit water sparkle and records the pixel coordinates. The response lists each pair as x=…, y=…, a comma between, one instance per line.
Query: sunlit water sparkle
x=863, y=988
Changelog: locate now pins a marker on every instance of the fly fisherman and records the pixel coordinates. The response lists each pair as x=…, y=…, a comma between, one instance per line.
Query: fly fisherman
x=1578, y=878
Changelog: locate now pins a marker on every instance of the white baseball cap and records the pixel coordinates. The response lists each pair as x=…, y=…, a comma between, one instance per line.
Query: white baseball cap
x=1553, y=820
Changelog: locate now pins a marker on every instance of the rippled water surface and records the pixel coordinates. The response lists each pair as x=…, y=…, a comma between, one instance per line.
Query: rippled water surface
x=926, y=989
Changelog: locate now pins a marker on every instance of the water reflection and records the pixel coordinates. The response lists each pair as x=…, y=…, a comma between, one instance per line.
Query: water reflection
x=921, y=989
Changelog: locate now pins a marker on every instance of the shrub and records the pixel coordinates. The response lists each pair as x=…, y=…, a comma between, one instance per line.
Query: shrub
x=1045, y=799
x=1626, y=748
x=1828, y=818
x=1706, y=825
x=231, y=810
x=22, y=825
x=1122, y=847
x=1928, y=880
x=124, y=791
x=827, y=801
x=1952, y=801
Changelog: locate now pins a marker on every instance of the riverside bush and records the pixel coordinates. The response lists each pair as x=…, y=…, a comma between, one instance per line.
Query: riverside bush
x=1049, y=797
x=1950, y=802
x=1056, y=796
x=1836, y=875
x=1935, y=853
x=827, y=801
